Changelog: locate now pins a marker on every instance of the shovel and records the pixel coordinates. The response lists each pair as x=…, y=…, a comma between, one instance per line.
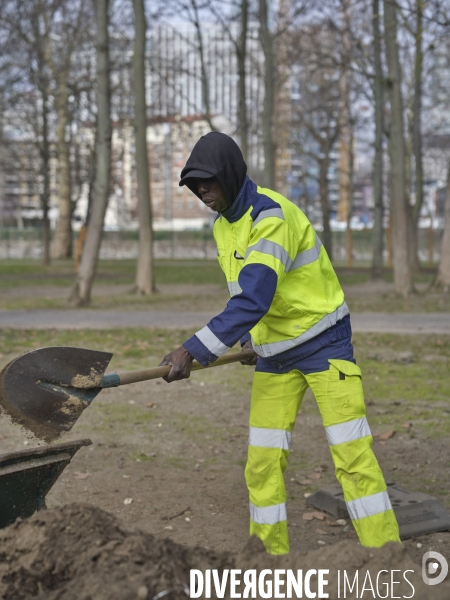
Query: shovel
x=46, y=390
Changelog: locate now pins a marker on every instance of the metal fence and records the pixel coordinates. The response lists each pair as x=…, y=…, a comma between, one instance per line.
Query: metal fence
x=349, y=248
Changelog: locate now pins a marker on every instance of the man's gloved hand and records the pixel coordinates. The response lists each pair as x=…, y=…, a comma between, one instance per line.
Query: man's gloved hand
x=247, y=347
x=181, y=361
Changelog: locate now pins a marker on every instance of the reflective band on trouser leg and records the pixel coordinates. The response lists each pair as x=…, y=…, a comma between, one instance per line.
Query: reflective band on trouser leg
x=269, y=438
x=276, y=400
x=347, y=432
x=341, y=404
x=268, y=515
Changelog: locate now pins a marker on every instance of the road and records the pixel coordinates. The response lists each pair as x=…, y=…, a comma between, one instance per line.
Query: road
x=407, y=323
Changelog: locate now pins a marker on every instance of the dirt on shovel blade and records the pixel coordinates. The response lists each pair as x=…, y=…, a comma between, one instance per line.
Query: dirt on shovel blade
x=80, y=552
x=41, y=431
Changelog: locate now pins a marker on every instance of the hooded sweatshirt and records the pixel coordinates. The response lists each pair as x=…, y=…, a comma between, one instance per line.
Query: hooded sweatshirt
x=216, y=155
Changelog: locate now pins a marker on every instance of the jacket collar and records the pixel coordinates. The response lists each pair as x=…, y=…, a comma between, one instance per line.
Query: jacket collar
x=241, y=203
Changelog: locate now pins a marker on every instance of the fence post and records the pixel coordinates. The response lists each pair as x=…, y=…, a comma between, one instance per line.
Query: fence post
x=430, y=244
x=349, y=247
x=389, y=232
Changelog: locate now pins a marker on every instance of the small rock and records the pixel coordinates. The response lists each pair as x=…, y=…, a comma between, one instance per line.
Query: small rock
x=159, y=424
x=131, y=402
x=347, y=528
x=321, y=543
x=307, y=495
x=169, y=527
x=341, y=522
x=187, y=519
x=419, y=545
x=128, y=501
x=142, y=592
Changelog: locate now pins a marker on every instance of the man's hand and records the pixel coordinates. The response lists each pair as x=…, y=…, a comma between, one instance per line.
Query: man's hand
x=181, y=361
x=247, y=347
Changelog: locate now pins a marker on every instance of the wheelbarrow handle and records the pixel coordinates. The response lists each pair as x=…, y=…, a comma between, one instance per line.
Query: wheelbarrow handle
x=116, y=379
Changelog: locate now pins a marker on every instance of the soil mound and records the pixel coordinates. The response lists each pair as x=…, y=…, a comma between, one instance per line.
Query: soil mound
x=79, y=552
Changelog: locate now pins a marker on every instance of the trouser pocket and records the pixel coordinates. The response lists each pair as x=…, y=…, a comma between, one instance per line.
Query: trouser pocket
x=345, y=393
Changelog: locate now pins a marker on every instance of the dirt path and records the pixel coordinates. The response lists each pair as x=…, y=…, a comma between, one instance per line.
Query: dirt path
x=178, y=452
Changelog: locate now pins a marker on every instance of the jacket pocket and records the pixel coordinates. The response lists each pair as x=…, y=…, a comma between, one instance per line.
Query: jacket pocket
x=345, y=392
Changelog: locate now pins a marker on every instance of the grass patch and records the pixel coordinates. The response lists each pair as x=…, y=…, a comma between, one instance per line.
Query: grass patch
x=29, y=285
x=405, y=378
x=17, y=273
x=132, y=348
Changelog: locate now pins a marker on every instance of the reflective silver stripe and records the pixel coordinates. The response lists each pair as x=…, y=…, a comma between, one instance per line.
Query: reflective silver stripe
x=269, y=438
x=368, y=506
x=268, y=515
x=234, y=288
x=326, y=322
x=271, y=212
x=211, y=341
x=307, y=256
x=273, y=249
x=347, y=432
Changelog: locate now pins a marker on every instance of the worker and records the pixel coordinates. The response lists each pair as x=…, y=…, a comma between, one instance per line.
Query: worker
x=288, y=309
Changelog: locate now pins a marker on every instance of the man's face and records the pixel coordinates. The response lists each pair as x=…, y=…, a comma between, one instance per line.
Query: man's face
x=211, y=194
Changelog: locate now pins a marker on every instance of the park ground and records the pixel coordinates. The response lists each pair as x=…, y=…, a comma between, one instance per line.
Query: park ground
x=176, y=453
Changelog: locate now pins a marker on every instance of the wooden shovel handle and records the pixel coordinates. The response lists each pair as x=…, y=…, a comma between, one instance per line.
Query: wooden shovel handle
x=146, y=374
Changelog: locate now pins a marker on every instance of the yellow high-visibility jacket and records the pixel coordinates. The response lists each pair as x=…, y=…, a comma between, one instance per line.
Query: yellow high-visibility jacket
x=283, y=288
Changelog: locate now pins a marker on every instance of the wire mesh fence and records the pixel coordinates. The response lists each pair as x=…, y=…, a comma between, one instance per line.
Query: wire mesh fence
x=350, y=248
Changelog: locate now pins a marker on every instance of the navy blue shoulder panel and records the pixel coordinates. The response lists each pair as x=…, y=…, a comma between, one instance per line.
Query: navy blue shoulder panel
x=261, y=202
x=249, y=197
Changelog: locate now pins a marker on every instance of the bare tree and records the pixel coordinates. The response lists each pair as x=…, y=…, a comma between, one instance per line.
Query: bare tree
x=399, y=213
x=267, y=44
x=27, y=55
x=377, y=257
x=81, y=294
x=317, y=116
x=442, y=279
x=64, y=37
x=144, y=272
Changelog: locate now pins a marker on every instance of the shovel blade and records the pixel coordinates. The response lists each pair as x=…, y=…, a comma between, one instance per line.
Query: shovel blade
x=43, y=389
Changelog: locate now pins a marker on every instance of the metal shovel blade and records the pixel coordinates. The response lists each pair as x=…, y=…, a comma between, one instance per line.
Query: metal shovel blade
x=33, y=387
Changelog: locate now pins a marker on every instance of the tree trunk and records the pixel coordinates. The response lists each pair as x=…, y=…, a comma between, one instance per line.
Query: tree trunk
x=325, y=205
x=241, y=59
x=417, y=135
x=45, y=170
x=402, y=270
x=377, y=257
x=144, y=271
x=203, y=67
x=81, y=294
x=442, y=279
x=62, y=246
x=268, y=179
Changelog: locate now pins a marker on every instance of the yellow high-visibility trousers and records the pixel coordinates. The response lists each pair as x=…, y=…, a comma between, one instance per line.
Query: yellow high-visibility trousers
x=275, y=402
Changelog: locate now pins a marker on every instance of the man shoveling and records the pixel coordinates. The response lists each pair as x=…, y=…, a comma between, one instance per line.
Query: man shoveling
x=288, y=307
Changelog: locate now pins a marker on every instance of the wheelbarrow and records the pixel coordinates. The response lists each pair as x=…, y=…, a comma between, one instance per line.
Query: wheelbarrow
x=26, y=477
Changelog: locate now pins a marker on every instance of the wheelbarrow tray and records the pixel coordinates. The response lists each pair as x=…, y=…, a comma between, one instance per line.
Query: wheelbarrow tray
x=26, y=477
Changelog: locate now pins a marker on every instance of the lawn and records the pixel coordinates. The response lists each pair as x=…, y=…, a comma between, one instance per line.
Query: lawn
x=30, y=285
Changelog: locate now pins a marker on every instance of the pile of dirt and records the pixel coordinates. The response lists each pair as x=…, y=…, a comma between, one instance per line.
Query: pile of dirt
x=79, y=552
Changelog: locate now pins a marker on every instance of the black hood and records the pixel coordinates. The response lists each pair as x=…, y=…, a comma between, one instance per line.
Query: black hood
x=217, y=155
